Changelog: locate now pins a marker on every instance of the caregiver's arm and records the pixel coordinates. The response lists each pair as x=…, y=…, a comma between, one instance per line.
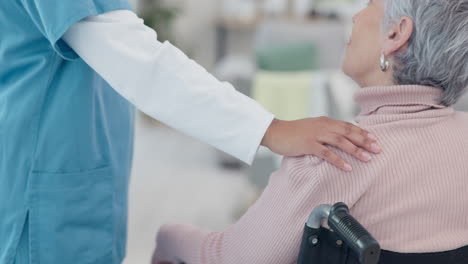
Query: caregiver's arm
x=162, y=82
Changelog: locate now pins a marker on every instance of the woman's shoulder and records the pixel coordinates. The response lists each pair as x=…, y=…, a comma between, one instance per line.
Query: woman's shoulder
x=307, y=170
x=306, y=165
x=312, y=170
x=315, y=164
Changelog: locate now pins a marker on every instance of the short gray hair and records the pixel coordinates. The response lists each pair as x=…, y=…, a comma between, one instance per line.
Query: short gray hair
x=437, y=53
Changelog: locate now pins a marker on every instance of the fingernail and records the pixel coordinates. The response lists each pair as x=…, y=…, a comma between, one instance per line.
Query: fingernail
x=375, y=148
x=365, y=156
x=371, y=136
x=348, y=167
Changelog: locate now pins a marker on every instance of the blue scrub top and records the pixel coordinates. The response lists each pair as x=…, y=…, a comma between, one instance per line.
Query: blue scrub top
x=66, y=140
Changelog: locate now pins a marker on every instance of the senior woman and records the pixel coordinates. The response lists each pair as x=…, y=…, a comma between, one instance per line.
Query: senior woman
x=411, y=58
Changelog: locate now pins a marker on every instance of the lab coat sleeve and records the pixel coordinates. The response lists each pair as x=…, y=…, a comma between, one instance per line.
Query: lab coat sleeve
x=164, y=83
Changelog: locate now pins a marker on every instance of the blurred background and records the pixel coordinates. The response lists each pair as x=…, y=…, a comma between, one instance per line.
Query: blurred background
x=286, y=54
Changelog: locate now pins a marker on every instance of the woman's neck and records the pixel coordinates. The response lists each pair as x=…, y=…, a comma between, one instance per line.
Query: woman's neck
x=377, y=79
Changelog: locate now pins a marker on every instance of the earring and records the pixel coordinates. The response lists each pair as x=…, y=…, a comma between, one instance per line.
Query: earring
x=384, y=63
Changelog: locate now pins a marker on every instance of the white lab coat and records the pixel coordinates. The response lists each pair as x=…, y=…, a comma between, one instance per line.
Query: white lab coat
x=165, y=84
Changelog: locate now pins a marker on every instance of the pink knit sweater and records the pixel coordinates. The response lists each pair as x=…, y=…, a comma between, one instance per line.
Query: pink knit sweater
x=413, y=197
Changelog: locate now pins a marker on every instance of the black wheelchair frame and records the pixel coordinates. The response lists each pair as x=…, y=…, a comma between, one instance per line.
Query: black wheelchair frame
x=348, y=242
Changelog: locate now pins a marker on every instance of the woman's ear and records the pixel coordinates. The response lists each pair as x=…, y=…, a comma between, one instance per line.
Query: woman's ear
x=398, y=36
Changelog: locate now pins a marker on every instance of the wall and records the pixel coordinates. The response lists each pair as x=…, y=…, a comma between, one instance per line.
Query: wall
x=194, y=29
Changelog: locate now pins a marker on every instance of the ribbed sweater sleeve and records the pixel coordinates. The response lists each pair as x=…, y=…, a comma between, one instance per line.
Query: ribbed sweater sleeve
x=271, y=230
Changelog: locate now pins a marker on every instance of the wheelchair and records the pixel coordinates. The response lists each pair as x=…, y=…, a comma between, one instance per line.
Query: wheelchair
x=348, y=242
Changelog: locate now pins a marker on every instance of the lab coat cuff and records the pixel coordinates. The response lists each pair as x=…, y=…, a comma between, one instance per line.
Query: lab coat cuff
x=262, y=122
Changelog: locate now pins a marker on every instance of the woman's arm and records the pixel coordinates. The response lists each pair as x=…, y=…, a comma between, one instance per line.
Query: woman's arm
x=164, y=83
x=270, y=232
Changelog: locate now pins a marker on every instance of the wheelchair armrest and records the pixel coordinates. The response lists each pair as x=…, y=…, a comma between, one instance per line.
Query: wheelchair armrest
x=348, y=229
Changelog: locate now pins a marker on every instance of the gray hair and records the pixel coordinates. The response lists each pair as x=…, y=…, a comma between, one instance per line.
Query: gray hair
x=437, y=53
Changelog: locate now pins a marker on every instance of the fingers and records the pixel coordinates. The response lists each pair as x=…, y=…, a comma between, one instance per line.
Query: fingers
x=347, y=146
x=331, y=157
x=358, y=137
